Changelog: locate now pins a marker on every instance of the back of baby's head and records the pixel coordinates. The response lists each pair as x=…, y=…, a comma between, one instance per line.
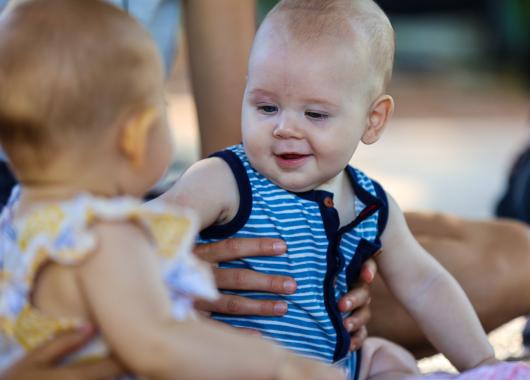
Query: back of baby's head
x=360, y=23
x=68, y=70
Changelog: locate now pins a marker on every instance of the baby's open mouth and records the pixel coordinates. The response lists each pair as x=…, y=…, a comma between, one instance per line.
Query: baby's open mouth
x=291, y=161
x=292, y=156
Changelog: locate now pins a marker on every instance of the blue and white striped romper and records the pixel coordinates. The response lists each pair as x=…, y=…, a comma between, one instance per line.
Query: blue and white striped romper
x=321, y=257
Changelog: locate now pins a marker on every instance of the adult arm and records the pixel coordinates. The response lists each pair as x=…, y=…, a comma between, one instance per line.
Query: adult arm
x=219, y=36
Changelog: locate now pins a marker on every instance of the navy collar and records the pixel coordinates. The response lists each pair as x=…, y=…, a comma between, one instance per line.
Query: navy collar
x=370, y=201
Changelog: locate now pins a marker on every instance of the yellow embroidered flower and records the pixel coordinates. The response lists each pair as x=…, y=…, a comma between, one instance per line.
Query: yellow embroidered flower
x=32, y=328
x=47, y=220
x=90, y=216
x=168, y=231
x=6, y=326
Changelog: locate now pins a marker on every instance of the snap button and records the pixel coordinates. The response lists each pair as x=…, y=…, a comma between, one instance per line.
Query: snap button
x=328, y=202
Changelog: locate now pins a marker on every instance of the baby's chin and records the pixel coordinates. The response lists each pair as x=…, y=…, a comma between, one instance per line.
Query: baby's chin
x=294, y=187
x=295, y=181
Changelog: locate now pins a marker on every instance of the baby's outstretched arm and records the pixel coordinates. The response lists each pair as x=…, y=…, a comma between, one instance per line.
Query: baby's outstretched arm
x=209, y=188
x=431, y=295
x=125, y=295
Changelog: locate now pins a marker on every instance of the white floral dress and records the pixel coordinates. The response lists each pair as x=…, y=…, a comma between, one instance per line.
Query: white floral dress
x=61, y=233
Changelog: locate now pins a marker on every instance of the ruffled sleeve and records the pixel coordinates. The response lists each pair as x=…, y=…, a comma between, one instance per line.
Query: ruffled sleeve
x=56, y=232
x=186, y=277
x=62, y=233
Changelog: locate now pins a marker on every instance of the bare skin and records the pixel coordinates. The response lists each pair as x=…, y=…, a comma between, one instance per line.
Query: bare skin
x=221, y=33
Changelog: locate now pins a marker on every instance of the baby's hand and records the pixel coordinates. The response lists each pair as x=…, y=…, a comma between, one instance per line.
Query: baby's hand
x=298, y=368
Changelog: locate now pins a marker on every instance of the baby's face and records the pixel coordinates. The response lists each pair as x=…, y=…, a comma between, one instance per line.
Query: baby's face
x=304, y=111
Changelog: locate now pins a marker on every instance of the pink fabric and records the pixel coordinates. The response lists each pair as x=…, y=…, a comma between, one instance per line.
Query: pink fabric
x=502, y=371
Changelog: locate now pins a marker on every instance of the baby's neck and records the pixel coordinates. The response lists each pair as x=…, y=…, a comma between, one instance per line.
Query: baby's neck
x=35, y=194
x=67, y=177
x=336, y=184
x=343, y=196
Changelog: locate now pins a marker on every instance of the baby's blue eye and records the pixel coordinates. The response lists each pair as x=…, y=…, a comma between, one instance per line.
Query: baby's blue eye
x=316, y=115
x=268, y=109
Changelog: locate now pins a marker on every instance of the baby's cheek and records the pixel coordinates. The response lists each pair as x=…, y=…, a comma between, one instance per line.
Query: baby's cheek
x=255, y=147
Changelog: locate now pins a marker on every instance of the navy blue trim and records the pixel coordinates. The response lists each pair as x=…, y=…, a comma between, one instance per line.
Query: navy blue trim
x=335, y=259
x=7, y=183
x=245, y=199
x=359, y=353
x=383, y=211
x=365, y=249
x=313, y=195
x=372, y=203
x=334, y=264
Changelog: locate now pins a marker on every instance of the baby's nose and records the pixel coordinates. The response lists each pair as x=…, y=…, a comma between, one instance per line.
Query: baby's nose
x=286, y=128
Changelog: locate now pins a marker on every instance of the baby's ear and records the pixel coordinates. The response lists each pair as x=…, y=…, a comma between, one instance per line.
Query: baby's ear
x=378, y=116
x=134, y=132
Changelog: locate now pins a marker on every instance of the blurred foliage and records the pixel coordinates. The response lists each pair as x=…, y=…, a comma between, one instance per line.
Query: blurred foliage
x=263, y=7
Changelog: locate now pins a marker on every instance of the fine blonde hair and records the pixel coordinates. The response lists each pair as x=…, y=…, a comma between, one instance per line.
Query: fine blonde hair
x=351, y=20
x=68, y=69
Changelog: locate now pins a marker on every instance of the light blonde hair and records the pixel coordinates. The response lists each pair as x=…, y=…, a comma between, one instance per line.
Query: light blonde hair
x=68, y=69
x=311, y=20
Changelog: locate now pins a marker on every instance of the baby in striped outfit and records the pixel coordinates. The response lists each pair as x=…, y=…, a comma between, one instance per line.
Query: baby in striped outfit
x=317, y=78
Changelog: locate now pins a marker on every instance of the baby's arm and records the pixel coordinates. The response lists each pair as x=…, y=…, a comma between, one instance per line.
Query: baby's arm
x=431, y=295
x=209, y=188
x=122, y=287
